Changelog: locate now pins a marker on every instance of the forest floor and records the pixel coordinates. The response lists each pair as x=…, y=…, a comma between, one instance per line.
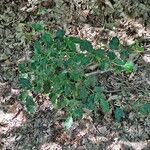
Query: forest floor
x=97, y=131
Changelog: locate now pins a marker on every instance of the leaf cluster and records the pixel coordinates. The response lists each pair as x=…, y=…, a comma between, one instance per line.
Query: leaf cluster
x=58, y=66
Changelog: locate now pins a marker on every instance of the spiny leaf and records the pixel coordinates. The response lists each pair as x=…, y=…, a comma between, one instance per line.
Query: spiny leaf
x=114, y=43
x=119, y=114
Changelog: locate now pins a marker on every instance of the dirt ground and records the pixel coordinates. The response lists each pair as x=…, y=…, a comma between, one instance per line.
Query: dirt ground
x=97, y=22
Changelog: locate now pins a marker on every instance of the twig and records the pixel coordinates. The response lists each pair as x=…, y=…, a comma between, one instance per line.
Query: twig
x=97, y=72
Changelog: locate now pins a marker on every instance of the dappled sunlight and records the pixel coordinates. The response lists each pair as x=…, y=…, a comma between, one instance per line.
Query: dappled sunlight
x=121, y=121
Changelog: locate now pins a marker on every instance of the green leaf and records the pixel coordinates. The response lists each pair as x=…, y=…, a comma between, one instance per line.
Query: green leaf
x=30, y=104
x=75, y=39
x=90, y=103
x=80, y=59
x=74, y=75
x=124, y=54
x=104, y=105
x=68, y=89
x=114, y=43
x=37, y=47
x=32, y=65
x=119, y=114
x=69, y=122
x=100, y=53
x=37, y=26
x=22, y=67
x=25, y=83
x=104, y=65
x=77, y=113
x=85, y=60
x=111, y=55
x=37, y=86
x=129, y=67
x=119, y=62
x=145, y=108
x=23, y=95
x=60, y=34
x=136, y=47
x=53, y=98
x=98, y=89
x=70, y=43
x=83, y=93
x=46, y=86
x=90, y=81
x=86, y=45
x=47, y=39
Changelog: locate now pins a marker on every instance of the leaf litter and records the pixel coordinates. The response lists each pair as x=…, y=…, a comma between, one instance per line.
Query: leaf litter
x=98, y=131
